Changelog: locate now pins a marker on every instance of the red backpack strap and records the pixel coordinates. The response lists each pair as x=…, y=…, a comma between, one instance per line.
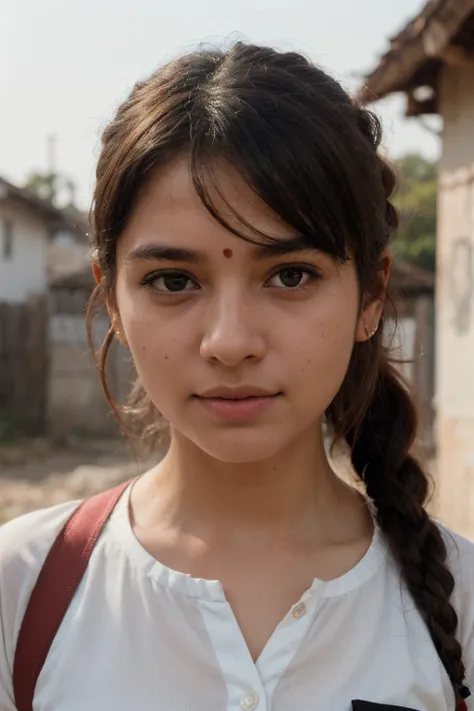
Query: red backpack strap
x=57, y=582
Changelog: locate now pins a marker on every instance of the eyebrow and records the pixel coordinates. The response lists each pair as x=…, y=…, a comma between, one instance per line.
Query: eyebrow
x=276, y=247
x=282, y=247
x=164, y=253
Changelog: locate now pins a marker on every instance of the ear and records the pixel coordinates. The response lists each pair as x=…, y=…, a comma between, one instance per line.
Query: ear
x=371, y=313
x=112, y=309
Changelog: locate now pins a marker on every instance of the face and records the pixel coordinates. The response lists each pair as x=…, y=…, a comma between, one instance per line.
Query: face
x=240, y=348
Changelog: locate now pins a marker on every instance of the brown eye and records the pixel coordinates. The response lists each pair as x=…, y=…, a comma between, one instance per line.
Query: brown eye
x=290, y=278
x=170, y=282
x=175, y=282
x=293, y=277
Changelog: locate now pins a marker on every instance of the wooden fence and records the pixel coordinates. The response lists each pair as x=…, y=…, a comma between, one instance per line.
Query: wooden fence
x=24, y=366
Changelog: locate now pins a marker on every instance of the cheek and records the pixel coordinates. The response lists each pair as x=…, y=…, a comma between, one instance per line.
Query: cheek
x=320, y=352
x=327, y=346
x=157, y=345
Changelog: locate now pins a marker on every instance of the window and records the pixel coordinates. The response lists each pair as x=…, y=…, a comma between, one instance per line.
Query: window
x=7, y=250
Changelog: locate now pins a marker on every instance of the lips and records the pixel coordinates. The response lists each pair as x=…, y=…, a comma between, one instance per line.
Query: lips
x=237, y=404
x=241, y=392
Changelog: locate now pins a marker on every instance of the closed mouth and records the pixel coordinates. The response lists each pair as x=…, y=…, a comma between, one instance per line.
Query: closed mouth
x=240, y=393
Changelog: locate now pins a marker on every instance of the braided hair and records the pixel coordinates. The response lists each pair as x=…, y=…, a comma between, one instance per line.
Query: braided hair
x=312, y=155
x=380, y=434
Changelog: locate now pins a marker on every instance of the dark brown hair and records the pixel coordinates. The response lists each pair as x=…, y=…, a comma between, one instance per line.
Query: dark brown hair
x=311, y=154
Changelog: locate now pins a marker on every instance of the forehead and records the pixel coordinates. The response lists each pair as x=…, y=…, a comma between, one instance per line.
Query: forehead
x=170, y=209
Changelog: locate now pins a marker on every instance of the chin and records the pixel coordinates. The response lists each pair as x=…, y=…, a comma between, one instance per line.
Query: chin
x=240, y=445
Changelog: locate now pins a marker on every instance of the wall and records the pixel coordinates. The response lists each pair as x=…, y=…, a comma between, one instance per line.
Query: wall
x=24, y=359
x=413, y=342
x=25, y=273
x=455, y=304
x=77, y=405
x=67, y=254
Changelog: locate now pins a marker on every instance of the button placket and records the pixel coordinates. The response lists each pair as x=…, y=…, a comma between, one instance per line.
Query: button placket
x=246, y=691
x=287, y=638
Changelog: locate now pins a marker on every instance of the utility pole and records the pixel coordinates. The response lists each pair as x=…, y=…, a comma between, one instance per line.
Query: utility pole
x=51, y=144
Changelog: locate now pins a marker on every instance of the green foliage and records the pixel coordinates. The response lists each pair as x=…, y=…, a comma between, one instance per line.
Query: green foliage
x=416, y=202
x=58, y=189
x=42, y=184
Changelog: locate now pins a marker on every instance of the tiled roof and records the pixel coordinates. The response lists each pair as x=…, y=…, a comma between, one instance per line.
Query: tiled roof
x=417, y=52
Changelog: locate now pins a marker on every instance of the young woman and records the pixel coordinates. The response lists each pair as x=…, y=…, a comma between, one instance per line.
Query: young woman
x=241, y=224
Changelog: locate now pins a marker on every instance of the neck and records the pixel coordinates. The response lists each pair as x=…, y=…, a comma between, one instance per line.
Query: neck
x=294, y=492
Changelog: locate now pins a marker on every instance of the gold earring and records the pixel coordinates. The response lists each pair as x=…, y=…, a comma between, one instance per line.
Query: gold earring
x=371, y=334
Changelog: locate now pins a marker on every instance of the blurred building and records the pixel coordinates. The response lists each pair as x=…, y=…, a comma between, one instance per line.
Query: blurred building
x=431, y=61
x=76, y=404
x=411, y=342
x=37, y=241
x=31, y=229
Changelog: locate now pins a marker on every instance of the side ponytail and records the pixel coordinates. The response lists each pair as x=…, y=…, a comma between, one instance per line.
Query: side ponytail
x=399, y=488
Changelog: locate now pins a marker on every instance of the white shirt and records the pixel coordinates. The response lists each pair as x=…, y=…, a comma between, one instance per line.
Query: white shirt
x=139, y=636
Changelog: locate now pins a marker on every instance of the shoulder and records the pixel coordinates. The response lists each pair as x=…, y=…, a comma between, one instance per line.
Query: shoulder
x=25, y=541
x=24, y=545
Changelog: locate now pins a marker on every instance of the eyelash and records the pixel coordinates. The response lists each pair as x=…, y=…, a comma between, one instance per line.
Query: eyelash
x=149, y=280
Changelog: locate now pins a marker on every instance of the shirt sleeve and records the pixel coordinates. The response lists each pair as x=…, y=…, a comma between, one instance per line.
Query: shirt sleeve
x=24, y=545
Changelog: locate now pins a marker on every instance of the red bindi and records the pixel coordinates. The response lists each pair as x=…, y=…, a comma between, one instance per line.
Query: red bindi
x=227, y=253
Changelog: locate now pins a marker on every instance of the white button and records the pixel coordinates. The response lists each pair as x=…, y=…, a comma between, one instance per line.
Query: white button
x=299, y=611
x=249, y=701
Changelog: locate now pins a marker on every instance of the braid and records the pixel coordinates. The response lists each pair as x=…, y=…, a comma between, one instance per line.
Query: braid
x=375, y=414
x=399, y=488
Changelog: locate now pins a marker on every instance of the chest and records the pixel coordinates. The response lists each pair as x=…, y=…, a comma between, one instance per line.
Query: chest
x=142, y=645
x=264, y=588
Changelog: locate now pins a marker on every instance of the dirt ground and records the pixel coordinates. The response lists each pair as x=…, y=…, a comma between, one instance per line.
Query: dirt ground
x=34, y=474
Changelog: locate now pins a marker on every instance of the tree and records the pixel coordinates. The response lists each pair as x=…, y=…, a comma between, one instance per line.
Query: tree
x=42, y=184
x=416, y=202
x=58, y=189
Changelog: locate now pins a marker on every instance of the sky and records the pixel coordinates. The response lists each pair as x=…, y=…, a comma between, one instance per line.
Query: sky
x=65, y=65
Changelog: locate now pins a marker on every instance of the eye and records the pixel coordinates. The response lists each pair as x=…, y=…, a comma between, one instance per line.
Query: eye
x=170, y=282
x=292, y=277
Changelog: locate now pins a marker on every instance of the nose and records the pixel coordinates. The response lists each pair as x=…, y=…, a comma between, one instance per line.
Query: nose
x=233, y=331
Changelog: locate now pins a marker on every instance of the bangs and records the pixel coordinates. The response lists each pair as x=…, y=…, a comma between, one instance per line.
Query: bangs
x=297, y=179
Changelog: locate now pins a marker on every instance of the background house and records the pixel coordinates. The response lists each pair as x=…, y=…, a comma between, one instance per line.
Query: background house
x=413, y=341
x=69, y=245
x=432, y=62
x=76, y=404
x=26, y=226
x=30, y=229
x=37, y=242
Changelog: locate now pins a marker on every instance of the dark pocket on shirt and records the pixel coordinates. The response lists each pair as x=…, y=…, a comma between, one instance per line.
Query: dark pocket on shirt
x=371, y=706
